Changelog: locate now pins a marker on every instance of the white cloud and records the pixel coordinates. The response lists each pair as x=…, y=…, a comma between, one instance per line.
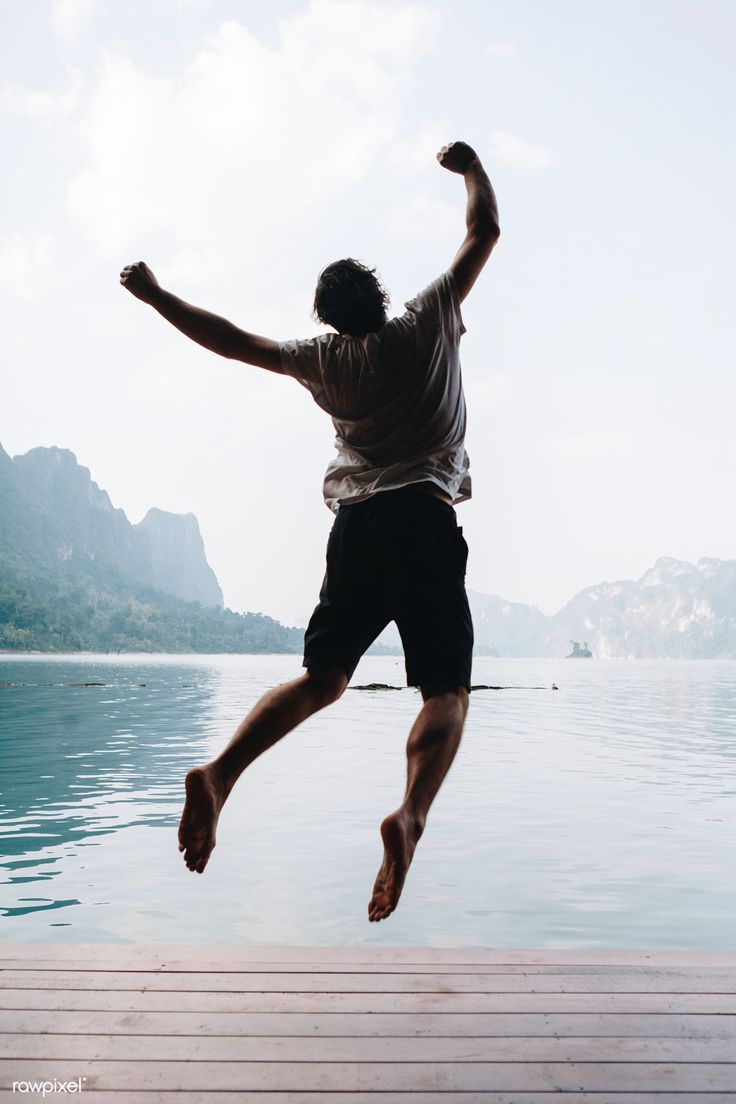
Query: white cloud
x=26, y=261
x=517, y=153
x=250, y=137
x=69, y=19
x=427, y=219
x=414, y=152
x=501, y=50
x=490, y=390
x=595, y=444
x=34, y=104
x=351, y=31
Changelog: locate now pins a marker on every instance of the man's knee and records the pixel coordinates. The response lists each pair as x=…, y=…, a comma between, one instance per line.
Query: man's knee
x=327, y=685
x=452, y=696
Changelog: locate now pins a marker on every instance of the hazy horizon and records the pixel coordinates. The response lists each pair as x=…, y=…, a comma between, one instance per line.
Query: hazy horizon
x=238, y=148
x=301, y=621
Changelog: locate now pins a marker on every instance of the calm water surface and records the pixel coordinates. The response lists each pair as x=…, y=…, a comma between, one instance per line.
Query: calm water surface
x=600, y=814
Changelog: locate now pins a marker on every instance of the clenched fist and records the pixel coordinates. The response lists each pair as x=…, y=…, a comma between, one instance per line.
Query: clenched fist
x=457, y=157
x=139, y=280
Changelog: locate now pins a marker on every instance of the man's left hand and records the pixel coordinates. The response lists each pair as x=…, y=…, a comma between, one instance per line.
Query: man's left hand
x=140, y=281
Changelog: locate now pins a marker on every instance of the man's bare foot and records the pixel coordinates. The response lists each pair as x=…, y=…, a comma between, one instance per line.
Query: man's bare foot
x=205, y=796
x=400, y=833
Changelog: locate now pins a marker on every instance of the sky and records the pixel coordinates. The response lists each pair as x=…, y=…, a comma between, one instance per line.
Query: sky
x=237, y=147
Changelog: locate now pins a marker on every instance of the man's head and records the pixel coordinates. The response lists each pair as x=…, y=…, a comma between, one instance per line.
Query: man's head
x=350, y=298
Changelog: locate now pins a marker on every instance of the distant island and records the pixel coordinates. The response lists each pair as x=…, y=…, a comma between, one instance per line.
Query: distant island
x=76, y=575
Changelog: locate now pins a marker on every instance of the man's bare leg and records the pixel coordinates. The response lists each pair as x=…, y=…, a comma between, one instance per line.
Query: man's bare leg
x=433, y=742
x=277, y=713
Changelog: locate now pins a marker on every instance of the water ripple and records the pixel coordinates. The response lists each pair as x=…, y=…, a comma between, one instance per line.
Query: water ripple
x=598, y=814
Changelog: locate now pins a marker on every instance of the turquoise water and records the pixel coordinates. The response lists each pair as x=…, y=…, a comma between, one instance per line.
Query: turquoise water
x=599, y=814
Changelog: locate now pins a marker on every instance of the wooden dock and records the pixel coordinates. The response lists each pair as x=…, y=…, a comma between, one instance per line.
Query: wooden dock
x=210, y=1025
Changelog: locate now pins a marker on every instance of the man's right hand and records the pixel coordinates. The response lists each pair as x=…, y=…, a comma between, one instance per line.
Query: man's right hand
x=457, y=157
x=140, y=281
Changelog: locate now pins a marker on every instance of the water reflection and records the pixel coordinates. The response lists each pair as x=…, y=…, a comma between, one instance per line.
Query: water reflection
x=82, y=761
x=86, y=750
x=598, y=814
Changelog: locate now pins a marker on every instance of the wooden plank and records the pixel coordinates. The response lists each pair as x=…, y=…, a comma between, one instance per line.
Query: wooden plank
x=389, y=969
x=152, y=1001
x=184, y=1097
x=290, y=1025
x=236, y=953
x=665, y=982
x=372, y=1025
x=393, y=1098
x=414, y=1077
x=135, y=1048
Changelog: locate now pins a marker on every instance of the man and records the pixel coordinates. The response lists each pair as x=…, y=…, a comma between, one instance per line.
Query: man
x=395, y=553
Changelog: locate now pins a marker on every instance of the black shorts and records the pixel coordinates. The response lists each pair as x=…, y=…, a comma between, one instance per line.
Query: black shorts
x=398, y=556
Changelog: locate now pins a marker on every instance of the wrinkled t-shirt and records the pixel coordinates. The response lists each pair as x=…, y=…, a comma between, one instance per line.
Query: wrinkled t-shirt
x=395, y=398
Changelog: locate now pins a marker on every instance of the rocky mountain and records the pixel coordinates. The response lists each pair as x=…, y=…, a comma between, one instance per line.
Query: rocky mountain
x=76, y=575
x=53, y=514
x=506, y=628
x=676, y=610
x=173, y=547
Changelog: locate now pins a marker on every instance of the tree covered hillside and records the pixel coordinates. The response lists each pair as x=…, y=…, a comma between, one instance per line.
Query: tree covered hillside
x=76, y=575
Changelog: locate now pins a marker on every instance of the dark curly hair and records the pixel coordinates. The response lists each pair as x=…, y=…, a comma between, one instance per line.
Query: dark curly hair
x=350, y=297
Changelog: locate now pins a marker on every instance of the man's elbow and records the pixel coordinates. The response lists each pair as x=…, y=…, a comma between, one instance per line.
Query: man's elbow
x=485, y=233
x=493, y=232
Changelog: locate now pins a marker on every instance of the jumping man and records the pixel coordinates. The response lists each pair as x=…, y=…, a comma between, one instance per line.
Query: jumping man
x=395, y=553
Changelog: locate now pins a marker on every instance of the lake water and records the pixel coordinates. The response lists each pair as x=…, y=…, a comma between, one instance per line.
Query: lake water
x=598, y=814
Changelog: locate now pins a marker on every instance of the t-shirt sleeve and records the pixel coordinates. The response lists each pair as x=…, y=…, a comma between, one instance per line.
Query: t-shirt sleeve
x=302, y=359
x=440, y=303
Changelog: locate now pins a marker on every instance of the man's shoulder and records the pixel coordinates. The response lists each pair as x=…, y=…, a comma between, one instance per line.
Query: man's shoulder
x=307, y=345
x=437, y=305
x=301, y=356
x=439, y=295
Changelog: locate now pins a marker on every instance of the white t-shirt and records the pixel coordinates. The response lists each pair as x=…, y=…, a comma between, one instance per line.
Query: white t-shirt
x=395, y=398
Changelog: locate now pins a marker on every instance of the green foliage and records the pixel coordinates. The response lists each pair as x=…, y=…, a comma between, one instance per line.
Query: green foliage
x=65, y=611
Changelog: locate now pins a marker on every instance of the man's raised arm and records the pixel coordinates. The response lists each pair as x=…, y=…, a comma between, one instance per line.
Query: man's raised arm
x=209, y=330
x=481, y=216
